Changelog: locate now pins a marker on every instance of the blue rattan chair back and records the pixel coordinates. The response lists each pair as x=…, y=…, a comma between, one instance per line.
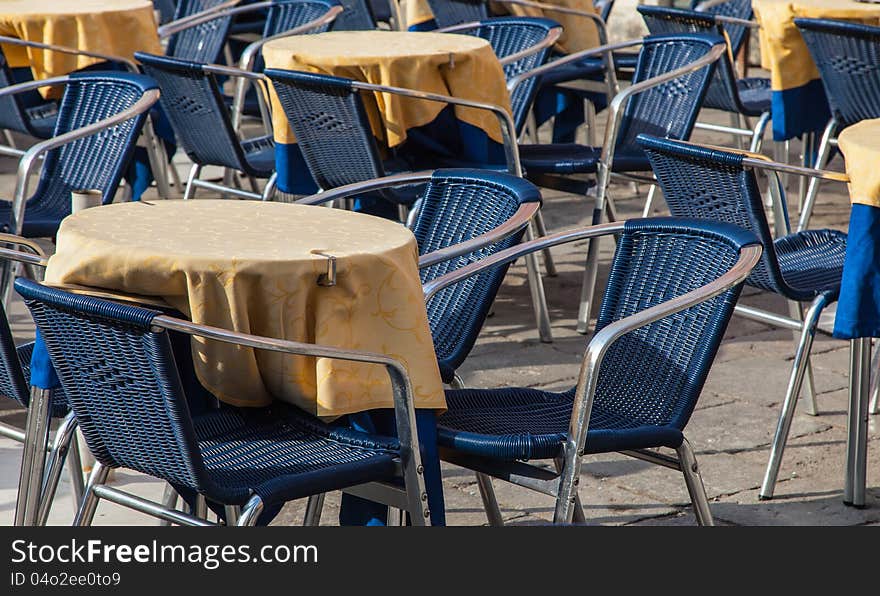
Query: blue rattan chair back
x=331, y=126
x=737, y=9
x=848, y=58
x=284, y=16
x=670, y=109
x=712, y=184
x=12, y=114
x=457, y=205
x=455, y=12
x=203, y=42
x=166, y=9
x=654, y=375
x=511, y=35
x=121, y=380
x=722, y=93
x=357, y=16
x=197, y=111
x=13, y=383
x=97, y=161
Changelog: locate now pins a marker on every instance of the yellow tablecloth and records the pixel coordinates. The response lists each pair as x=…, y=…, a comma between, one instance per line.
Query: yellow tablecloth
x=457, y=65
x=783, y=51
x=579, y=33
x=251, y=267
x=860, y=145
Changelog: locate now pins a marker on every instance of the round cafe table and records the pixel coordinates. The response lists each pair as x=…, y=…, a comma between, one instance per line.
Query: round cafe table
x=117, y=27
x=798, y=99
x=257, y=268
x=460, y=66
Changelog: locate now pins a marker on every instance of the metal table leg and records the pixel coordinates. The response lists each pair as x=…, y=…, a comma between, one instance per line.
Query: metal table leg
x=33, y=459
x=857, y=422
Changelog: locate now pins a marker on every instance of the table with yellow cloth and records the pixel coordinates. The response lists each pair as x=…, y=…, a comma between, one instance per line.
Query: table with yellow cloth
x=253, y=267
x=858, y=312
x=579, y=33
x=798, y=100
x=115, y=27
x=461, y=66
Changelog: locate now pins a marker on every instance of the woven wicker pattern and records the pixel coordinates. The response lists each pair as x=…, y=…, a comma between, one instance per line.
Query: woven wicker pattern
x=331, y=126
x=457, y=206
x=723, y=91
x=97, y=161
x=356, y=16
x=198, y=113
x=711, y=184
x=670, y=109
x=204, y=42
x=455, y=12
x=738, y=9
x=124, y=387
x=650, y=379
x=507, y=36
x=848, y=58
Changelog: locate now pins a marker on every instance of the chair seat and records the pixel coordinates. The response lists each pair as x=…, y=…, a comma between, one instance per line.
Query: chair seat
x=59, y=407
x=522, y=424
x=281, y=453
x=754, y=95
x=811, y=261
x=42, y=120
x=260, y=155
x=571, y=158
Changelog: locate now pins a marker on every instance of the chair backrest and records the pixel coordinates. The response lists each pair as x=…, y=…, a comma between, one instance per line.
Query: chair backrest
x=357, y=16
x=455, y=12
x=669, y=109
x=848, y=58
x=722, y=93
x=459, y=204
x=13, y=383
x=511, y=35
x=194, y=104
x=604, y=8
x=97, y=161
x=289, y=14
x=203, y=42
x=381, y=10
x=120, y=377
x=331, y=126
x=654, y=375
x=166, y=8
x=712, y=184
x=737, y=9
x=12, y=114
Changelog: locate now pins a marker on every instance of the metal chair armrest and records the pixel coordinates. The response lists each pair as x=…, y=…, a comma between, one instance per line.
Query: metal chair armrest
x=517, y=222
x=551, y=38
x=597, y=20
x=38, y=257
x=29, y=159
x=342, y=192
x=14, y=41
x=169, y=29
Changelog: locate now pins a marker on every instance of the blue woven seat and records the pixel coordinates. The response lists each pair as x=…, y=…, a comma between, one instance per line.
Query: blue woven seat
x=116, y=364
x=646, y=379
x=803, y=267
x=570, y=158
x=754, y=95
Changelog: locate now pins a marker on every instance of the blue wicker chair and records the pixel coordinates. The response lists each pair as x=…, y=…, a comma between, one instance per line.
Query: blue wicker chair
x=734, y=15
x=749, y=97
x=804, y=267
x=116, y=365
x=642, y=372
x=848, y=58
x=455, y=12
x=192, y=99
x=15, y=366
x=198, y=31
x=34, y=117
x=668, y=87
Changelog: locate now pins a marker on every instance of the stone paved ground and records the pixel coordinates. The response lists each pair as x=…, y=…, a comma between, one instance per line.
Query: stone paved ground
x=730, y=430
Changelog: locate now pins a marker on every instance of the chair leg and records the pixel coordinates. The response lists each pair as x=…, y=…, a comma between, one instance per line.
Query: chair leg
x=396, y=518
x=796, y=310
x=786, y=416
x=33, y=458
x=813, y=188
x=549, y=265
x=536, y=288
x=592, y=265
x=874, y=408
x=456, y=383
x=569, y=476
x=233, y=512
x=694, y=482
x=89, y=504
x=190, y=191
x=251, y=511
x=158, y=160
x=490, y=503
x=757, y=142
x=75, y=470
x=314, y=507
x=169, y=501
x=649, y=202
x=200, y=509
x=64, y=435
x=578, y=516
x=271, y=187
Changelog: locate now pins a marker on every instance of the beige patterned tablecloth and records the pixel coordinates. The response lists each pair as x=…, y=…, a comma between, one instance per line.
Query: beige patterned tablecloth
x=252, y=267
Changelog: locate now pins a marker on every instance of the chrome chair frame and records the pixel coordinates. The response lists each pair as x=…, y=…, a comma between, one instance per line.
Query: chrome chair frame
x=38, y=482
x=155, y=149
x=411, y=497
x=562, y=484
x=616, y=108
